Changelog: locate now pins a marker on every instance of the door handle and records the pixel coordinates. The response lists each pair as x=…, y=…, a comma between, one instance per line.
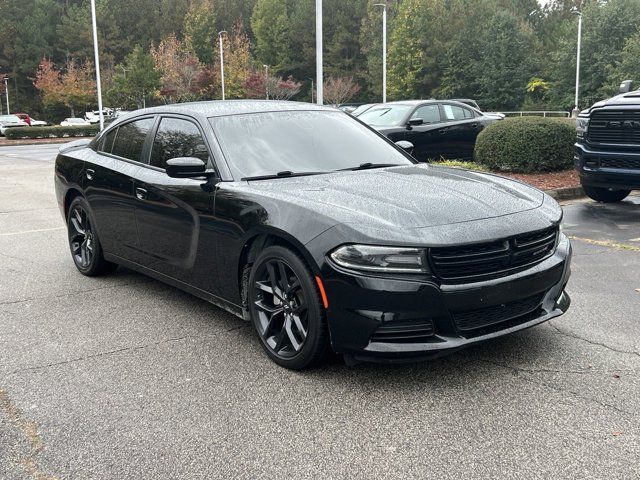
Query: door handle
x=89, y=173
x=141, y=193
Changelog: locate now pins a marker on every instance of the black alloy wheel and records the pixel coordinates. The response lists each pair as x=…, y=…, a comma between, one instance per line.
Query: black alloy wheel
x=83, y=241
x=286, y=310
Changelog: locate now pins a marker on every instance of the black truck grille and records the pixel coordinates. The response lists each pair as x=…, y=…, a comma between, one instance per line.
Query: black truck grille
x=404, y=332
x=615, y=126
x=625, y=163
x=472, y=262
x=484, y=317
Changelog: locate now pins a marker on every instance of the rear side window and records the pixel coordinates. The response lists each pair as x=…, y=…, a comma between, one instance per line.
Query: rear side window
x=454, y=112
x=130, y=139
x=107, y=142
x=177, y=138
x=467, y=113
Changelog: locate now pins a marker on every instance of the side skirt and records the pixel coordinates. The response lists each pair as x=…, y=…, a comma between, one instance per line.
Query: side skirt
x=204, y=295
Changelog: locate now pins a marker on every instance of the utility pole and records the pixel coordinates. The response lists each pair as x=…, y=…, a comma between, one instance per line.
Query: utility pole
x=384, y=50
x=6, y=92
x=576, y=109
x=319, y=96
x=97, y=60
x=266, y=80
x=221, y=61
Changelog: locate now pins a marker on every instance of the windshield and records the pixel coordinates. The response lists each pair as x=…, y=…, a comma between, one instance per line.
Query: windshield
x=385, y=115
x=362, y=108
x=260, y=144
x=9, y=118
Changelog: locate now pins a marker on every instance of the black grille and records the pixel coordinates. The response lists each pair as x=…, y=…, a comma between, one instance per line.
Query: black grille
x=626, y=163
x=474, y=319
x=472, y=262
x=404, y=332
x=615, y=126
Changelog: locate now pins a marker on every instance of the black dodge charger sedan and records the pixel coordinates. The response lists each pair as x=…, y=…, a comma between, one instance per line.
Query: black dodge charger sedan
x=314, y=227
x=437, y=128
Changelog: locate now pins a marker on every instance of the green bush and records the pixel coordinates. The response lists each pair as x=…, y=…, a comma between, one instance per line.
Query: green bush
x=527, y=144
x=51, y=132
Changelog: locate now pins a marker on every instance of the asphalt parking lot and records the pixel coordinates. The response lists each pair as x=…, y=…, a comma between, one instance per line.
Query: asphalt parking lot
x=124, y=377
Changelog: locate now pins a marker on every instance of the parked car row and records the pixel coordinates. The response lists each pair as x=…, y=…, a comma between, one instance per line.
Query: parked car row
x=18, y=120
x=436, y=128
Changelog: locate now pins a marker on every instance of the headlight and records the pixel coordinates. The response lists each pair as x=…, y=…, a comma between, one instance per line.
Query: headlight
x=582, y=125
x=381, y=259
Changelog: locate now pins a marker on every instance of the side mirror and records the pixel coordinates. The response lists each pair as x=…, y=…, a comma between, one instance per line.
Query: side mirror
x=185, y=167
x=414, y=122
x=626, y=86
x=406, y=146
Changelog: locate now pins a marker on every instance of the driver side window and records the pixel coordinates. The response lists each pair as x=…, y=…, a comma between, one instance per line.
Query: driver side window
x=177, y=138
x=428, y=113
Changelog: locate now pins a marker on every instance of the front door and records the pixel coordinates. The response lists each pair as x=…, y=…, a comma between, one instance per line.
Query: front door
x=173, y=214
x=426, y=138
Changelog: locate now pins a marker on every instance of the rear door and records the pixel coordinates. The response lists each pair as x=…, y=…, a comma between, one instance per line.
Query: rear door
x=459, y=131
x=108, y=185
x=426, y=138
x=172, y=214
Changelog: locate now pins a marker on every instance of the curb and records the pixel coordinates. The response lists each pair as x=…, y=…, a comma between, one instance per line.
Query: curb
x=569, y=193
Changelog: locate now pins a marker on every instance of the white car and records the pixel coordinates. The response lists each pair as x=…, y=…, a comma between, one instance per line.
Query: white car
x=10, y=121
x=38, y=123
x=74, y=122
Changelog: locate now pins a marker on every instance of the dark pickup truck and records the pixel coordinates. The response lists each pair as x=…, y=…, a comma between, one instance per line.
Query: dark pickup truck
x=608, y=146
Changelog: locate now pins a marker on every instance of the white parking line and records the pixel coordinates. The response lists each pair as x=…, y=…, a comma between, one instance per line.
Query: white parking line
x=31, y=231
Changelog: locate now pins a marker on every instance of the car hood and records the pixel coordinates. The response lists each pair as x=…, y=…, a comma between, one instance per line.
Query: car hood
x=14, y=124
x=413, y=196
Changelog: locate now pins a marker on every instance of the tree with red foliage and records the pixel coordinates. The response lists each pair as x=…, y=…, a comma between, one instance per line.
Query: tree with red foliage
x=261, y=85
x=74, y=87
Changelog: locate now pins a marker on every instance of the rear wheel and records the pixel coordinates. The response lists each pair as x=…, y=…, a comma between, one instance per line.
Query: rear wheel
x=286, y=309
x=84, y=242
x=605, y=195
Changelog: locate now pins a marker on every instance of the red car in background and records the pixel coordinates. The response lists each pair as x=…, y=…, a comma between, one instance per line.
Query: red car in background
x=24, y=117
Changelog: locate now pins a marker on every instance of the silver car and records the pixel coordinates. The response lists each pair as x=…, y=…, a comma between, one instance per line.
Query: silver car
x=9, y=121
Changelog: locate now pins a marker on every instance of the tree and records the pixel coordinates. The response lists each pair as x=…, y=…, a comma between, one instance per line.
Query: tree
x=237, y=62
x=338, y=90
x=406, y=52
x=182, y=74
x=271, y=28
x=200, y=30
x=259, y=85
x=628, y=66
x=72, y=88
x=136, y=81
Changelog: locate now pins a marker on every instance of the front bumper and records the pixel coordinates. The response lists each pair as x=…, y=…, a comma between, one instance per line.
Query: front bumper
x=591, y=166
x=360, y=305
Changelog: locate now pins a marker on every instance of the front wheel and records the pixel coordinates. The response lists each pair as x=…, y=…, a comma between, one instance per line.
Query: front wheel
x=286, y=309
x=605, y=195
x=84, y=243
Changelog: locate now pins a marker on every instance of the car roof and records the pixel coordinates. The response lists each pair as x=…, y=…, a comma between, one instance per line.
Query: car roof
x=218, y=108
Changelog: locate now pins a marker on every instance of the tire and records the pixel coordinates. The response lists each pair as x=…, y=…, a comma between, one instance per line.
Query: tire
x=605, y=195
x=289, y=318
x=84, y=243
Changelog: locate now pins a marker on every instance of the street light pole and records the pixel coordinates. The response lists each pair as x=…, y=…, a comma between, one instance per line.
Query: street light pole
x=384, y=50
x=6, y=92
x=97, y=60
x=576, y=109
x=221, y=61
x=319, y=96
x=266, y=80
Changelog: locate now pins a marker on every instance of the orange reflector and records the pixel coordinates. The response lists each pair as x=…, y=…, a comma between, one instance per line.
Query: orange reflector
x=323, y=294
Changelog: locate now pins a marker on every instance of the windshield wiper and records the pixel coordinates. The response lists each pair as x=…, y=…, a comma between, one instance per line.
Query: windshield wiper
x=283, y=174
x=368, y=165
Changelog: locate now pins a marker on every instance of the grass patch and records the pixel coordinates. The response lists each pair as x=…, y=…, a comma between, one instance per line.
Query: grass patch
x=460, y=164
